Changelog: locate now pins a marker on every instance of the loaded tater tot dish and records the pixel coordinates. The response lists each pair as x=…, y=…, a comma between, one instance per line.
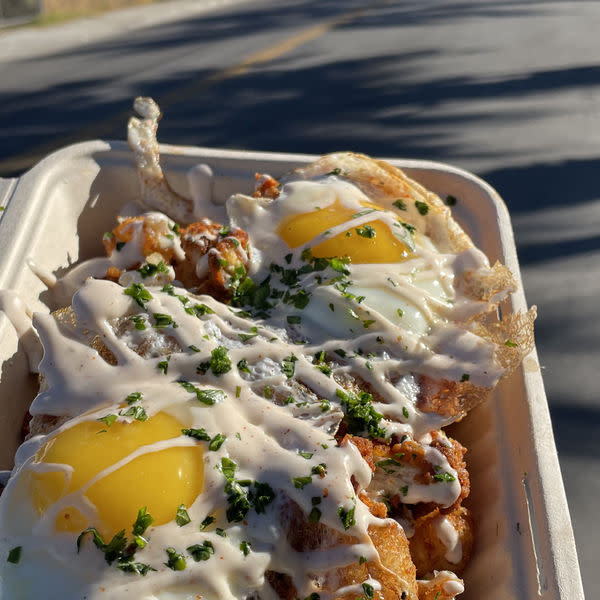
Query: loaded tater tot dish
x=257, y=408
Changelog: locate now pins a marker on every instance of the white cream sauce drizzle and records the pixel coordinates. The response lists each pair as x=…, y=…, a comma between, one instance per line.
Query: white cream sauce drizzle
x=271, y=433
x=448, y=535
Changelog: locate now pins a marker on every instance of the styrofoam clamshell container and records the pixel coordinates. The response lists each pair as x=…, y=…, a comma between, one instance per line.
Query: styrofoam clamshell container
x=55, y=216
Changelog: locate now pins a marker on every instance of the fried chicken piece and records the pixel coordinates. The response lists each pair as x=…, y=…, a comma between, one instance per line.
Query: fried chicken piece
x=433, y=534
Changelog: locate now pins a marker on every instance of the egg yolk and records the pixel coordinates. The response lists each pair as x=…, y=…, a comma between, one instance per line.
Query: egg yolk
x=161, y=479
x=371, y=242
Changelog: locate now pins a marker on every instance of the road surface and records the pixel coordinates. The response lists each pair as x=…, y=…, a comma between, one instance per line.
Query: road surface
x=508, y=90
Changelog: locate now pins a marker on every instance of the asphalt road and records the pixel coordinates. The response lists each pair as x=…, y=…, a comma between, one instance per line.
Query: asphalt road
x=508, y=90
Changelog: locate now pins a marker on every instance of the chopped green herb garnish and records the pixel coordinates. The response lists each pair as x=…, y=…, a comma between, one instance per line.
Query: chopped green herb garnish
x=422, y=207
x=221, y=532
x=465, y=377
x=175, y=560
x=445, y=476
x=206, y=522
x=139, y=322
x=362, y=213
x=137, y=412
x=162, y=320
x=400, y=312
x=510, y=344
x=301, y=482
x=182, y=518
x=306, y=455
x=294, y=319
x=217, y=442
x=335, y=171
x=197, y=434
x=362, y=560
x=139, y=293
x=320, y=469
x=360, y=415
x=238, y=390
x=14, y=555
x=219, y=361
x=288, y=365
x=366, y=231
x=404, y=490
x=246, y=336
x=108, y=420
x=136, y=568
x=208, y=397
x=346, y=516
x=405, y=412
x=120, y=246
x=243, y=366
x=150, y=269
x=143, y=521
x=134, y=397
x=201, y=551
x=315, y=515
x=288, y=258
x=194, y=348
x=369, y=590
x=326, y=370
x=163, y=365
x=245, y=547
x=399, y=204
x=200, y=310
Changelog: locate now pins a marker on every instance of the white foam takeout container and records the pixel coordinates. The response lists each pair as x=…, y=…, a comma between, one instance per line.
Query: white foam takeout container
x=55, y=215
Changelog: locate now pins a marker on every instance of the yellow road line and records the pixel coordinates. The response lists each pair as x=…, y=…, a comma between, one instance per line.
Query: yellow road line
x=23, y=161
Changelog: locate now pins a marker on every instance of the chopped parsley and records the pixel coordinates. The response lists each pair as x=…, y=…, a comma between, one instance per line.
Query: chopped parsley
x=217, y=442
x=510, y=344
x=405, y=412
x=138, y=322
x=422, y=207
x=294, y=319
x=315, y=515
x=366, y=231
x=368, y=589
x=134, y=397
x=182, y=518
x=14, y=555
x=306, y=455
x=137, y=412
x=201, y=551
x=208, y=397
x=163, y=365
x=206, y=522
x=301, y=482
x=175, y=560
x=150, y=269
x=399, y=204
x=162, y=320
x=346, y=516
x=242, y=366
x=288, y=365
x=245, y=547
x=220, y=362
x=445, y=477
x=139, y=293
x=361, y=417
x=465, y=377
x=108, y=420
x=197, y=434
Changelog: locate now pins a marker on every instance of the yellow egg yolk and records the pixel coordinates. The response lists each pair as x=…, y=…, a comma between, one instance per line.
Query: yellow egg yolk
x=377, y=244
x=160, y=479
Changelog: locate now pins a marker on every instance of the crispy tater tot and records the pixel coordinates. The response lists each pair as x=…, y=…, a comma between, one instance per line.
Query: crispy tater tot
x=443, y=586
x=214, y=256
x=433, y=531
x=265, y=186
x=394, y=570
